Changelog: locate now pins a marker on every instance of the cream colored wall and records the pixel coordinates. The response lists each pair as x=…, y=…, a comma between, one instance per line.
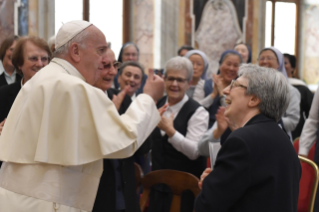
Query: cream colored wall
x=41, y=18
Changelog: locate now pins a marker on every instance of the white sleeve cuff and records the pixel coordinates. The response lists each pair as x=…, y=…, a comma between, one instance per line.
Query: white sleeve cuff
x=303, y=151
x=176, y=138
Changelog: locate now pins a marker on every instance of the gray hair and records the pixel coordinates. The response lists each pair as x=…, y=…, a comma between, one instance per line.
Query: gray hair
x=132, y=63
x=179, y=63
x=79, y=39
x=270, y=86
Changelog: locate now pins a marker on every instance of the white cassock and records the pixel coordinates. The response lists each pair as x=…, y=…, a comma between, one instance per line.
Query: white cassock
x=57, y=133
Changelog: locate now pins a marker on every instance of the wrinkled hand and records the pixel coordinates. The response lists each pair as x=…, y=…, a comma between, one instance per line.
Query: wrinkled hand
x=167, y=125
x=222, y=123
x=154, y=86
x=118, y=99
x=1, y=125
x=203, y=176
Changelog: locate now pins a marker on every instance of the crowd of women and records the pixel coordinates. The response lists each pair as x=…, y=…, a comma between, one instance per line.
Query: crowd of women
x=181, y=139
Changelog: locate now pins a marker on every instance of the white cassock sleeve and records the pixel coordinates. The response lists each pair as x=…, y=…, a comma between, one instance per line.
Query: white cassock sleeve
x=59, y=119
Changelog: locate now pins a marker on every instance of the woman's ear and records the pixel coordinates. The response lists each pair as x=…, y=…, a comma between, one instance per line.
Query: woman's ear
x=254, y=101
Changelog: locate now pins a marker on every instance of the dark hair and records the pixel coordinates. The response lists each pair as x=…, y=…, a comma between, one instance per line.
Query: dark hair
x=17, y=55
x=184, y=47
x=132, y=63
x=292, y=59
x=6, y=45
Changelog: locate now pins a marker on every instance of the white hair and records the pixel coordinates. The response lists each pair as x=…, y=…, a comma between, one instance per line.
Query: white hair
x=179, y=63
x=270, y=86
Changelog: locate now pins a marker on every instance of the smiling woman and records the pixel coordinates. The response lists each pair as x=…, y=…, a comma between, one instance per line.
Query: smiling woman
x=256, y=114
x=272, y=58
x=229, y=62
x=29, y=56
x=174, y=141
x=131, y=74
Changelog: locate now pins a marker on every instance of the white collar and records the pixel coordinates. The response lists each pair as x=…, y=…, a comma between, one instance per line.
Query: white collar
x=294, y=81
x=1, y=67
x=177, y=107
x=4, y=71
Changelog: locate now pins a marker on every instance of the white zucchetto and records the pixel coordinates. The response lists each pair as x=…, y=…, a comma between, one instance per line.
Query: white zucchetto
x=69, y=31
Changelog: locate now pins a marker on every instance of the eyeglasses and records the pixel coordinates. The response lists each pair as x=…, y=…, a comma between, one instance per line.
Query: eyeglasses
x=115, y=64
x=266, y=58
x=35, y=59
x=235, y=84
x=178, y=80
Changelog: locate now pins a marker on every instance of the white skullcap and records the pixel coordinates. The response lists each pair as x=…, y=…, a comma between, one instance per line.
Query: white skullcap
x=69, y=31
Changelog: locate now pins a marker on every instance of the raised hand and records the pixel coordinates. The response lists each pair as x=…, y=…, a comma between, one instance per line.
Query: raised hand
x=167, y=125
x=118, y=99
x=220, y=84
x=154, y=86
x=222, y=123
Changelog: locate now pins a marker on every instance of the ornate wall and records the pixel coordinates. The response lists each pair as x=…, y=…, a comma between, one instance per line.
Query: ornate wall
x=310, y=51
x=6, y=18
x=218, y=31
x=143, y=30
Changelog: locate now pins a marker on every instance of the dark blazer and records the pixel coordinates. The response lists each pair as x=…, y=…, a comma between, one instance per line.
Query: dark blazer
x=257, y=169
x=105, y=198
x=3, y=81
x=305, y=105
x=8, y=94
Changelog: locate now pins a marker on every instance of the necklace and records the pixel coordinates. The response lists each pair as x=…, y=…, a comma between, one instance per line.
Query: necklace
x=61, y=66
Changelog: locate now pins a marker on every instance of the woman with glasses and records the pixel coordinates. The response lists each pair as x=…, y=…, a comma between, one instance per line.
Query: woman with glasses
x=29, y=56
x=113, y=194
x=174, y=141
x=271, y=57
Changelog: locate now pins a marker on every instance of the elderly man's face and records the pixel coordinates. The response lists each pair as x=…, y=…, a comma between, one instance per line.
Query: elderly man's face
x=108, y=73
x=131, y=76
x=35, y=58
x=176, y=84
x=93, y=56
x=237, y=100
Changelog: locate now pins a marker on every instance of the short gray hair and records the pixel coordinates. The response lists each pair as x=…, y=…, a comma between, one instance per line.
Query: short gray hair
x=79, y=39
x=179, y=63
x=270, y=86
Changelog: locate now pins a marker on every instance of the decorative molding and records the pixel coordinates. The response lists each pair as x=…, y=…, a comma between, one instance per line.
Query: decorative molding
x=218, y=31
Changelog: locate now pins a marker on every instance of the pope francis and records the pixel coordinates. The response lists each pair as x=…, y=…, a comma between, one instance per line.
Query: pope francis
x=60, y=128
